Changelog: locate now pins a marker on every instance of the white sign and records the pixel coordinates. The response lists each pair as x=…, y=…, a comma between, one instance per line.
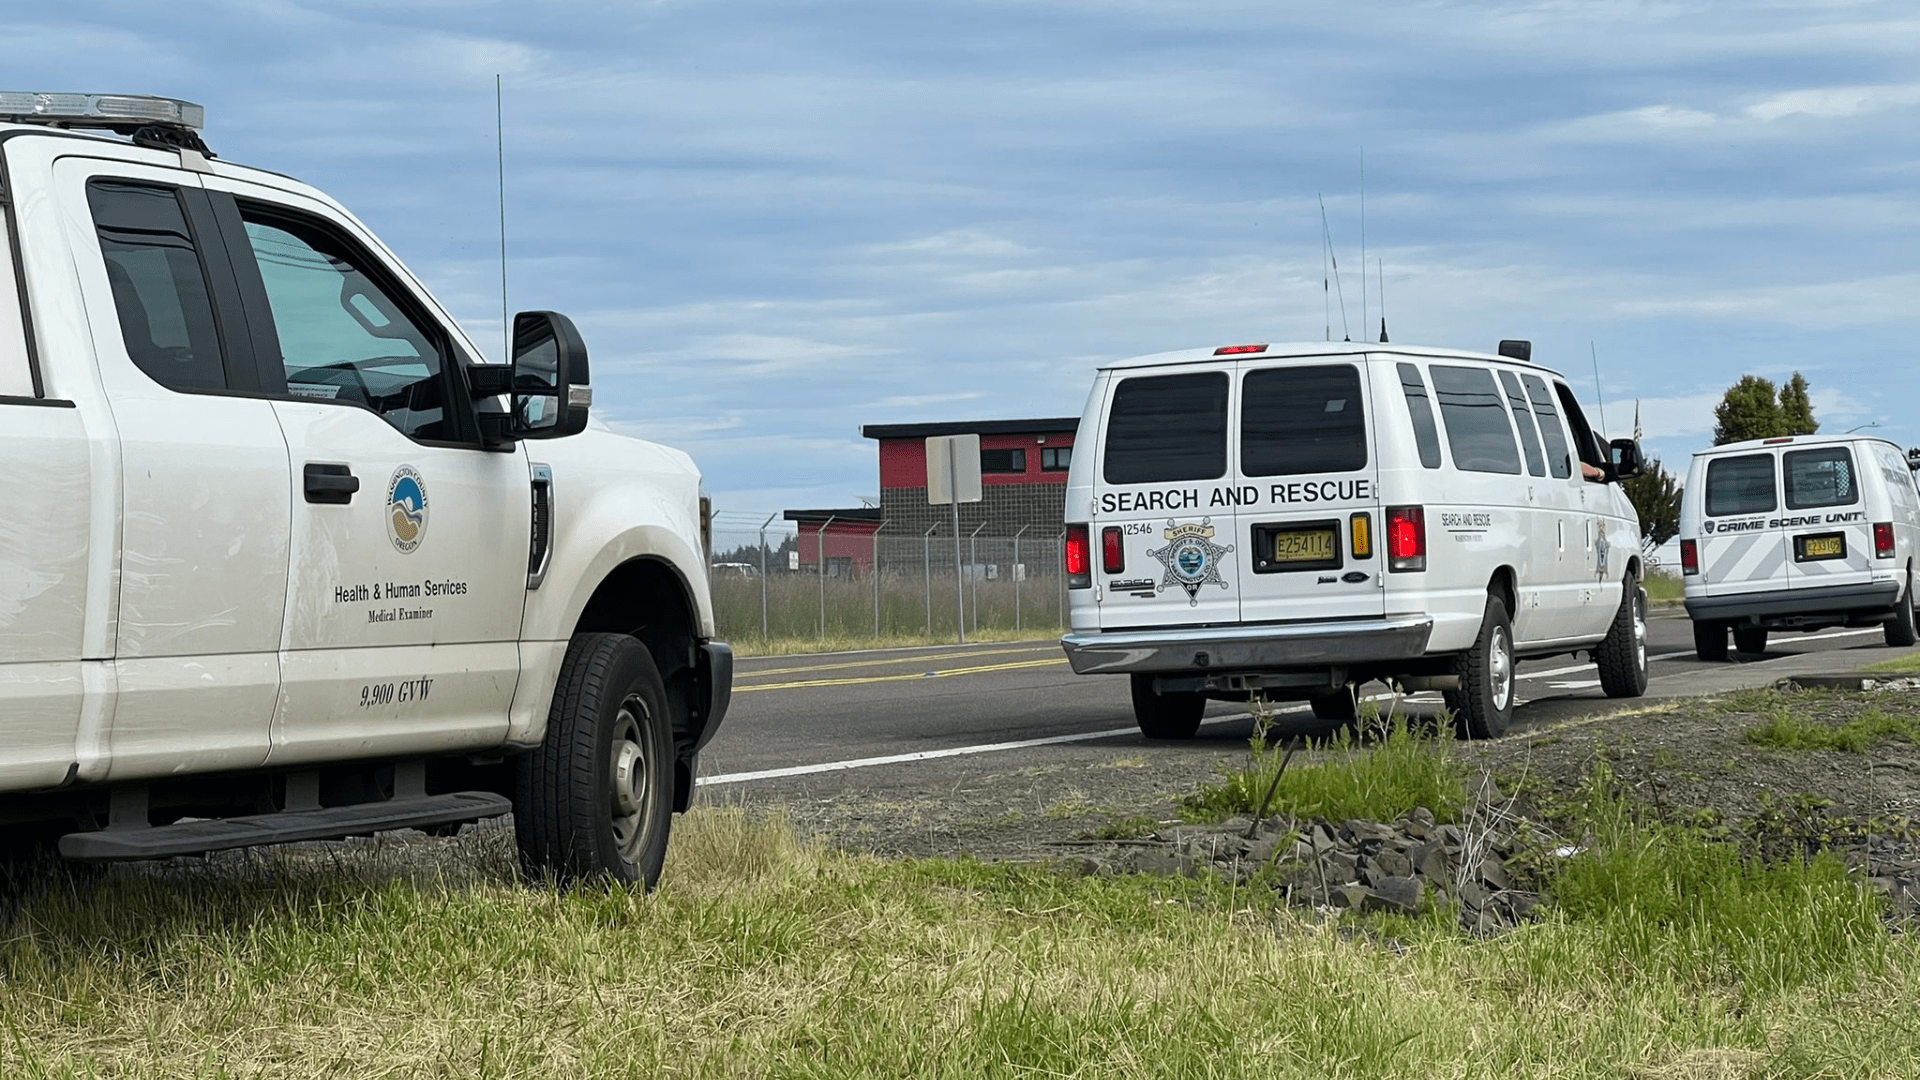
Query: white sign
x=793, y=559
x=953, y=469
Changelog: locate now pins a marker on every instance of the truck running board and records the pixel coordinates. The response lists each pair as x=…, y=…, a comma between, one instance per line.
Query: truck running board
x=334, y=823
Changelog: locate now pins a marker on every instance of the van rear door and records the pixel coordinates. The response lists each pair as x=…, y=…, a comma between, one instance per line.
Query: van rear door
x=1827, y=535
x=1162, y=537
x=1741, y=548
x=1306, y=487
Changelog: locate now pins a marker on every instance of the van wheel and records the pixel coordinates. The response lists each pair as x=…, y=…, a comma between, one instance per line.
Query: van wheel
x=1709, y=639
x=1902, y=631
x=1750, y=639
x=596, y=799
x=1342, y=704
x=1166, y=716
x=1483, y=705
x=1622, y=654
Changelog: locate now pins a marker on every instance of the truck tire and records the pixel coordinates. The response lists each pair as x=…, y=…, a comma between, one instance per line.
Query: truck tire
x=1166, y=716
x=1750, y=639
x=1483, y=705
x=1622, y=654
x=1904, y=629
x=1709, y=639
x=595, y=801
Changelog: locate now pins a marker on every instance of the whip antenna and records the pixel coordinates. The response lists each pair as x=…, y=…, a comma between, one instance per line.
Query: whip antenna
x=500, y=144
x=1602, y=401
x=1346, y=334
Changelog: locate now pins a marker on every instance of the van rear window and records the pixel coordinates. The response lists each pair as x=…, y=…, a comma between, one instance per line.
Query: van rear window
x=1302, y=420
x=1740, y=485
x=1167, y=427
x=1478, y=430
x=1821, y=477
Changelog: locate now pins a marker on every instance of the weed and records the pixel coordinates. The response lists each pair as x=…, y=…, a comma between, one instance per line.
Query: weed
x=1784, y=730
x=1403, y=769
x=1127, y=828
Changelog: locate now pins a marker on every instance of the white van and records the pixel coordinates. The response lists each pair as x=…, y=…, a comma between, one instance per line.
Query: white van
x=1801, y=533
x=1294, y=520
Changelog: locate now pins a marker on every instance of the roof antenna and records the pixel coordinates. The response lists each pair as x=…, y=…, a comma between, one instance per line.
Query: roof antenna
x=1363, y=243
x=1383, y=298
x=1327, y=232
x=1326, y=289
x=1596, y=387
x=500, y=143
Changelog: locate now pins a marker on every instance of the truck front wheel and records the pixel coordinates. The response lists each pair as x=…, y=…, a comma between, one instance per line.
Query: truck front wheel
x=596, y=799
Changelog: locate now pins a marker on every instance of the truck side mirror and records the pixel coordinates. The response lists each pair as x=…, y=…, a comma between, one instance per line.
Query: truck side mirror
x=1628, y=460
x=551, y=393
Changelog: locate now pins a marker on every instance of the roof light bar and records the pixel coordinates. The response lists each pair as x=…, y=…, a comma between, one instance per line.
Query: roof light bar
x=100, y=110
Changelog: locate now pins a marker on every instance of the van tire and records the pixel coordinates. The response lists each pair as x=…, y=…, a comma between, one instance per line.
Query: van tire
x=1166, y=716
x=1483, y=705
x=1622, y=654
x=595, y=801
x=1903, y=630
x=1709, y=639
x=1342, y=704
x=1750, y=639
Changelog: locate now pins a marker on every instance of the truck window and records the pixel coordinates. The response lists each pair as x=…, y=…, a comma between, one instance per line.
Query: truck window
x=1586, y=444
x=342, y=337
x=1167, y=427
x=1523, y=419
x=1425, y=435
x=1478, y=431
x=1740, y=485
x=1551, y=433
x=1302, y=420
x=159, y=289
x=1821, y=477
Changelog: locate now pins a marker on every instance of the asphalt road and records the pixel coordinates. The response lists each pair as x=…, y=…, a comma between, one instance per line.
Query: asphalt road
x=887, y=714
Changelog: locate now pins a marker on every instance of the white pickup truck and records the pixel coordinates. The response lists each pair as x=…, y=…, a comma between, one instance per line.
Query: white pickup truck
x=282, y=559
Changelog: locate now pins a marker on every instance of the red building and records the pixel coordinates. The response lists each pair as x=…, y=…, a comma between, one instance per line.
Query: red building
x=1023, y=479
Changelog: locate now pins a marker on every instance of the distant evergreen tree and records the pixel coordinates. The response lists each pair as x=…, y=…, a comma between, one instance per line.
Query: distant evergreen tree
x=1796, y=409
x=1748, y=410
x=1655, y=495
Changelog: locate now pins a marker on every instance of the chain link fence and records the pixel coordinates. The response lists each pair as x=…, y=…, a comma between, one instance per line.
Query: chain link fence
x=775, y=581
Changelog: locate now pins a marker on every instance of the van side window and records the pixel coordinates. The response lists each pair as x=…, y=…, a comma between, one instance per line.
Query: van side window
x=1478, y=431
x=1555, y=438
x=1167, y=427
x=1302, y=420
x=1585, y=443
x=159, y=289
x=1523, y=419
x=1425, y=435
x=1740, y=485
x=1821, y=477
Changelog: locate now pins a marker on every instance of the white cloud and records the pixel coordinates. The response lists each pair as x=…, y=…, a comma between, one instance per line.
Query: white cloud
x=1835, y=102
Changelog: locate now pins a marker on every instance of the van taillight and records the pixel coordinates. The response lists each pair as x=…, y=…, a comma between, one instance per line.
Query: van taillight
x=1883, y=539
x=1113, y=556
x=1078, y=558
x=1406, y=538
x=1689, y=557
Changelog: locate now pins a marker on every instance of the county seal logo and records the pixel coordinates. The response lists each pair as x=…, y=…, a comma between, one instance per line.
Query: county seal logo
x=406, y=509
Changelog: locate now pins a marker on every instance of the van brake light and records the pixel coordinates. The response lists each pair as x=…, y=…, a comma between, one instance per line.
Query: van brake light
x=1406, y=538
x=1113, y=555
x=1236, y=350
x=1883, y=539
x=1078, y=558
x=1689, y=557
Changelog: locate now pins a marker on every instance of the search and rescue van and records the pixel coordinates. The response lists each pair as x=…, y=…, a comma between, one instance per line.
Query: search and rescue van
x=284, y=559
x=1295, y=520
x=1801, y=532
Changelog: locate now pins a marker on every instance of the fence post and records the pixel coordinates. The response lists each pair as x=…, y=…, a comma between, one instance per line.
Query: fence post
x=973, y=571
x=763, y=573
x=1016, y=576
x=926, y=551
x=875, y=571
x=820, y=555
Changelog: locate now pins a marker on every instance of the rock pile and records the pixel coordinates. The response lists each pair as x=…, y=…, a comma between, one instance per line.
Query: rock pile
x=1360, y=865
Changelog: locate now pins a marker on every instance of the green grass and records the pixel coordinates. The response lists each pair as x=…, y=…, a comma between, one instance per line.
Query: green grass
x=1787, y=730
x=764, y=956
x=796, y=603
x=1909, y=662
x=1664, y=586
x=1381, y=781
x=754, y=645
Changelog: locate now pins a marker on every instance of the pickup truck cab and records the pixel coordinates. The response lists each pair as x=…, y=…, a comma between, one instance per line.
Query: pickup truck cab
x=1296, y=520
x=284, y=559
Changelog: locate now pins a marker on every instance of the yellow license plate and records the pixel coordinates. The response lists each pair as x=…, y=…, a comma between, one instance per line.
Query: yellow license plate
x=1823, y=547
x=1314, y=545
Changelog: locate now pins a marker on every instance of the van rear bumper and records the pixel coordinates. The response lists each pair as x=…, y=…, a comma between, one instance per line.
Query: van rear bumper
x=1249, y=648
x=1790, y=603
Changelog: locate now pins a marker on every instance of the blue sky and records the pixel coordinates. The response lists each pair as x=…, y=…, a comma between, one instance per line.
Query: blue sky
x=777, y=221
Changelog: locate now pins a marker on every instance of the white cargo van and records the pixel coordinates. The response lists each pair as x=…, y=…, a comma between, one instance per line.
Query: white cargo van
x=1799, y=533
x=284, y=560
x=1293, y=520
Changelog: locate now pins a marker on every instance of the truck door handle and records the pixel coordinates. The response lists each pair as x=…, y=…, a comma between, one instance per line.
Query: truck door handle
x=330, y=484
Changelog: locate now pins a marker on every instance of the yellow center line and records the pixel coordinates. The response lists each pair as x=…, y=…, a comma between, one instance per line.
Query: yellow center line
x=903, y=678
x=895, y=660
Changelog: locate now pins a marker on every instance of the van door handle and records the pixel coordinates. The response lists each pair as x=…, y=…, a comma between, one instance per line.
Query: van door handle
x=330, y=484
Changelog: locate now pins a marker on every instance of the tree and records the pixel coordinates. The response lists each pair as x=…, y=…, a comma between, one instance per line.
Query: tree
x=1655, y=495
x=1751, y=409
